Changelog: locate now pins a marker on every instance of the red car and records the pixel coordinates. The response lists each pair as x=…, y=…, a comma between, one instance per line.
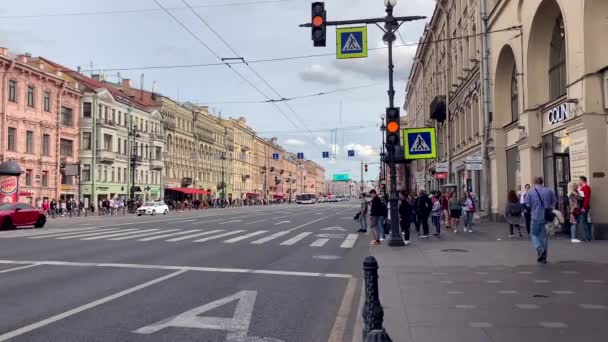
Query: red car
x=14, y=215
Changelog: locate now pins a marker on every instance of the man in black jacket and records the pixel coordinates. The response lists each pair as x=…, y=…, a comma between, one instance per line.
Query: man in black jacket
x=423, y=208
x=405, y=216
x=375, y=214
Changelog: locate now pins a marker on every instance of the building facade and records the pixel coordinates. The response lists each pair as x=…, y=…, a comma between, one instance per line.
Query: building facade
x=443, y=91
x=243, y=159
x=550, y=98
x=39, y=127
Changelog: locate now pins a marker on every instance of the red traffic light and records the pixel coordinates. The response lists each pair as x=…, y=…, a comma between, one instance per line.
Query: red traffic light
x=317, y=21
x=392, y=127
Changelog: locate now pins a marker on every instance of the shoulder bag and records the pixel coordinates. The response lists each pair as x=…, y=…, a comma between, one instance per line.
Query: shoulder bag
x=549, y=216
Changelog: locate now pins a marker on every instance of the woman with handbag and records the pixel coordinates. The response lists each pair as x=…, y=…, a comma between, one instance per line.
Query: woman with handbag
x=575, y=211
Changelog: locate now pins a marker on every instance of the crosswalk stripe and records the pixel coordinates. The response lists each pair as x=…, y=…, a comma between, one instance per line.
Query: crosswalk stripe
x=91, y=234
x=215, y=237
x=140, y=234
x=270, y=237
x=88, y=230
x=246, y=236
x=350, y=240
x=319, y=243
x=194, y=235
x=295, y=239
x=99, y=237
x=255, y=222
x=156, y=237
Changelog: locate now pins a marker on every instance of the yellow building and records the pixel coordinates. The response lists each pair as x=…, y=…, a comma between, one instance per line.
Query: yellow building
x=243, y=163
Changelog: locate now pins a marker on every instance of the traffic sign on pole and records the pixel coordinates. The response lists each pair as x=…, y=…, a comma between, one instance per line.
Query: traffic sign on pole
x=419, y=143
x=351, y=42
x=351, y=153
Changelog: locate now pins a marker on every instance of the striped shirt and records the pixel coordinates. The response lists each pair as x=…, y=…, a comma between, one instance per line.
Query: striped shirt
x=533, y=201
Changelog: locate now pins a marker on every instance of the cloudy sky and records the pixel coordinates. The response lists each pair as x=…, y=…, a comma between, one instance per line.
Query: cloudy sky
x=119, y=37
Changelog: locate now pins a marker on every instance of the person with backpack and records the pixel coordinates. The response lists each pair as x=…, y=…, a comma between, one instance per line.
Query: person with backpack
x=436, y=212
x=468, y=208
x=423, y=208
x=541, y=201
x=514, y=214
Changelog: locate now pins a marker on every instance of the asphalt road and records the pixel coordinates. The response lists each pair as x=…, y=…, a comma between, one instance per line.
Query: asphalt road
x=278, y=273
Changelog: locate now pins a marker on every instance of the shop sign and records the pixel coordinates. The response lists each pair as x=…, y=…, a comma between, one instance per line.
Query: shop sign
x=441, y=175
x=441, y=167
x=8, y=189
x=558, y=114
x=578, y=155
x=473, y=163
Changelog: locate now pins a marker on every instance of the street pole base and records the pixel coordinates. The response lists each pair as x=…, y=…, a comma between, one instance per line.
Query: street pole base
x=396, y=241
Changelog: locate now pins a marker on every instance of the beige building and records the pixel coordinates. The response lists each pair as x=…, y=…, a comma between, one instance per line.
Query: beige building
x=550, y=97
x=446, y=75
x=243, y=159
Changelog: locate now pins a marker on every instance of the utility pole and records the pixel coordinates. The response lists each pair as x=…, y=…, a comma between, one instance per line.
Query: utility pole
x=486, y=204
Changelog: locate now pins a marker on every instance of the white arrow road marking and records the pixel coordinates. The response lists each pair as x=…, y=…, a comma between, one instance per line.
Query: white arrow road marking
x=278, y=223
x=319, y=243
x=231, y=221
x=156, y=237
x=215, y=237
x=350, y=241
x=66, y=314
x=335, y=228
x=246, y=236
x=141, y=234
x=194, y=235
x=295, y=239
x=118, y=234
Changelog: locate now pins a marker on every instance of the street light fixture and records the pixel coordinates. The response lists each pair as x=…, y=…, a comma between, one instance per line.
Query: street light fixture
x=392, y=3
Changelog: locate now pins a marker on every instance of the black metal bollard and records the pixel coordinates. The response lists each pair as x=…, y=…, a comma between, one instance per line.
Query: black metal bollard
x=373, y=314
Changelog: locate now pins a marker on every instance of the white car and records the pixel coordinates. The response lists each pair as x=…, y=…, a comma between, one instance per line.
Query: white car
x=153, y=208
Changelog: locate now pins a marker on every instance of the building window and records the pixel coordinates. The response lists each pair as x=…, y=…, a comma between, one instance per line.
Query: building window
x=66, y=148
x=105, y=173
x=46, y=145
x=29, y=142
x=113, y=116
x=107, y=142
x=47, y=101
x=119, y=118
x=12, y=139
x=514, y=95
x=557, y=60
x=45, y=178
x=28, y=177
x=85, y=173
x=124, y=143
x=66, y=117
x=124, y=174
x=113, y=173
x=513, y=169
x=87, y=110
x=86, y=141
x=30, y=96
x=12, y=91
x=66, y=180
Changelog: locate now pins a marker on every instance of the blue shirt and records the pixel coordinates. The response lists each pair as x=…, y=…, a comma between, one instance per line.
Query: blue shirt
x=533, y=201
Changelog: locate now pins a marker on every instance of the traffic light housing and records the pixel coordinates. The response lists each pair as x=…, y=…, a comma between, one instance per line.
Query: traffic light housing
x=319, y=27
x=393, y=129
x=365, y=167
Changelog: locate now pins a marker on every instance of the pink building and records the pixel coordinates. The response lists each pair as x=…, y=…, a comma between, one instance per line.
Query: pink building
x=39, y=127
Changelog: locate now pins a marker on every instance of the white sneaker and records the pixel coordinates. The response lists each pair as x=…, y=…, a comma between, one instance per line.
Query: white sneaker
x=576, y=240
x=407, y=242
x=470, y=230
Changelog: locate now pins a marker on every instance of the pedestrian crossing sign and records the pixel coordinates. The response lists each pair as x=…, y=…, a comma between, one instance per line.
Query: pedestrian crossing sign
x=419, y=143
x=351, y=42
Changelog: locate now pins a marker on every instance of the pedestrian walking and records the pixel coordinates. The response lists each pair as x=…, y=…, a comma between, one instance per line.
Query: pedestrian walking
x=376, y=212
x=423, y=208
x=468, y=209
x=382, y=224
x=584, y=192
x=522, y=200
x=541, y=201
x=575, y=211
x=436, y=213
x=363, y=210
x=514, y=212
x=405, y=215
x=455, y=211
x=444, y=208
x=46, y=207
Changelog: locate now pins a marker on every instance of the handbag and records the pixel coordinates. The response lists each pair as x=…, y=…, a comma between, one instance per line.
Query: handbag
x=549, y=215
x=357, y=216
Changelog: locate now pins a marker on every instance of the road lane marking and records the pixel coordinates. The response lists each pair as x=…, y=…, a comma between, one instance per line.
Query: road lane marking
x=18, y=268
x=308, y=223
x=192, y=236
x=231, y=221
x=120, y=234
x=156, y=237
x=140, y=234
x=66, y=314
x=295, y=239
x=246, y=236
x=95, y=233
x=81, y=231
x=278, y=223
x=207, y=221
x=319, y=243
x=184, y=221
x=270, y=237
x=255, y=222
x=341, y=322
x=335, y=228
x=219, y=236
x=350, y=241
x=279, y=217
x=185, y=268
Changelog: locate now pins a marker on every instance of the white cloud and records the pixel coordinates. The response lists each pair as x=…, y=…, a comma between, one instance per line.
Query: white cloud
x=365, y=152
x=375, y=66
x=295, y=142
x=320, y=141
x=326, y=74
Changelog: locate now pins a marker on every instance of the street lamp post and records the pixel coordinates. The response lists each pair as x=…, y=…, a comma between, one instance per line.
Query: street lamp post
x=133, y=133
x=382, y=157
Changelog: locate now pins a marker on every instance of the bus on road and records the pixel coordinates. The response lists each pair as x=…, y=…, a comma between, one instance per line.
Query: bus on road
x=306, y=198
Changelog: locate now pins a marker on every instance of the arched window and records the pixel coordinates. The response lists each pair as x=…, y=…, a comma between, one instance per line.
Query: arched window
x=514, y=95
x=557, y=60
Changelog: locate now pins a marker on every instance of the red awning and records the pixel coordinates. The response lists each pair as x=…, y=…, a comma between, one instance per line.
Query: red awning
x=279, y=196
x=26, y=193
x=190, y=191
x=252, y=194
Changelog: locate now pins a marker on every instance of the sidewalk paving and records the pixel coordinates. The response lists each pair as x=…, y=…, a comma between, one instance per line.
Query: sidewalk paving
x=474, y=287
